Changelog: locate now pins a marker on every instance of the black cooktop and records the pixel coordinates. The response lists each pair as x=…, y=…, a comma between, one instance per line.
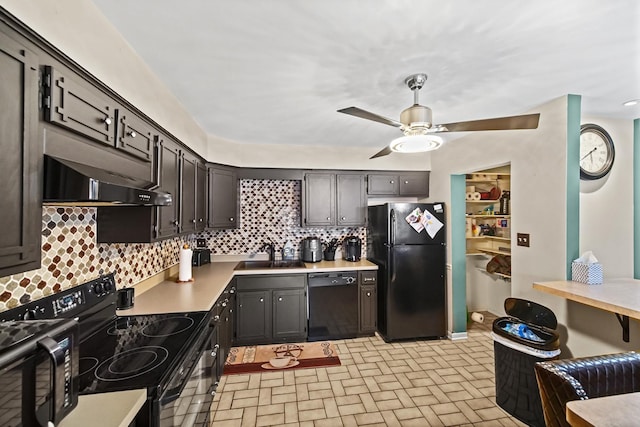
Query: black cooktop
x=136, y=351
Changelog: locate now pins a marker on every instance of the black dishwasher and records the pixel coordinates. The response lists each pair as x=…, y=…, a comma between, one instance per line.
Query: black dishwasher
x=333, y=305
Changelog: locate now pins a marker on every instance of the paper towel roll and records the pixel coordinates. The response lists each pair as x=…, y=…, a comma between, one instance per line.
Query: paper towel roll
x=476, y=196
x=477, y=317
x=469, y=196
x=184, y=271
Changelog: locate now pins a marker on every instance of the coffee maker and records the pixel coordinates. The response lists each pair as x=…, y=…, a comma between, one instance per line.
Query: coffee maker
x=352, y=248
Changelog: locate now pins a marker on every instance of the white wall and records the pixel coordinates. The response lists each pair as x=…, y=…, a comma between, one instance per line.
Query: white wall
x=325, y=157
x=606, y=205
x=538, y=171
x=538, y=188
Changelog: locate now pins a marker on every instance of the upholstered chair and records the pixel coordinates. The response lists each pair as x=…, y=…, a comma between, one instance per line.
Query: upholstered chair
x=564, y=380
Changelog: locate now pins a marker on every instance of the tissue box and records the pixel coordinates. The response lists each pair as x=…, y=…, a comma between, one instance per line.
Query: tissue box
x=591, y=274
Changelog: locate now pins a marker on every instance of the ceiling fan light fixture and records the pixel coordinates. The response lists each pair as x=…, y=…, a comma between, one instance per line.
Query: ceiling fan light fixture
x=416, y=143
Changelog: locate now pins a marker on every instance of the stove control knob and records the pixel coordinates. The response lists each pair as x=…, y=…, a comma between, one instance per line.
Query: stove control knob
x=108, y=286
x=98, y=288
x=29, y=315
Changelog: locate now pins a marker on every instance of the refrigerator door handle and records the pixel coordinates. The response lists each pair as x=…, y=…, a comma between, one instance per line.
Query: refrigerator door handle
x=392, y=236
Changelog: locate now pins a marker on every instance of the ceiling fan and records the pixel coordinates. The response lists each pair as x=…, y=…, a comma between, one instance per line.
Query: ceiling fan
x=415, y=123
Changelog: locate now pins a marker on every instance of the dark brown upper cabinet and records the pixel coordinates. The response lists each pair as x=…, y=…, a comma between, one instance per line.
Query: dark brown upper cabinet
x=188, y=193
x=223, y=198
x=398, y=184
x=168, y=159
x=201, y=196
x=351, y=200
x=135, y=136
x=72, y=103
x=20, y=162
x=330, y=199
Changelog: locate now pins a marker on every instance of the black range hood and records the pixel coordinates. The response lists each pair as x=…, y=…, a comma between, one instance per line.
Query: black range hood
x=69, y=183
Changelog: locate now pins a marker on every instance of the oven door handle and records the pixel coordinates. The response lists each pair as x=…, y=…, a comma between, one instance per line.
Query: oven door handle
x=172, y=394
x=56, y=355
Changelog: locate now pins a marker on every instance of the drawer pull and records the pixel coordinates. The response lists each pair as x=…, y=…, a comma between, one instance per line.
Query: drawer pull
x=107, y=121
x=132, y=134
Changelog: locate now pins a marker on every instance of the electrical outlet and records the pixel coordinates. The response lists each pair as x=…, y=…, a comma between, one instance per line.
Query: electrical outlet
x=523, y=239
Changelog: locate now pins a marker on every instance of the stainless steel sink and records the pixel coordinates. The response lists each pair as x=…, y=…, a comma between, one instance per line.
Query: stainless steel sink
x=261, y=265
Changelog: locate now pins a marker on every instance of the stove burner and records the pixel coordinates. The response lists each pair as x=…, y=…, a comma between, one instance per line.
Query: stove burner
x=87, y=364
x=131, y=363
x=167, y=326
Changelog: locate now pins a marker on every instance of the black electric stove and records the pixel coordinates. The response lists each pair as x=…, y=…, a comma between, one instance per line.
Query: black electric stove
x=157, y=352
x=135, y=352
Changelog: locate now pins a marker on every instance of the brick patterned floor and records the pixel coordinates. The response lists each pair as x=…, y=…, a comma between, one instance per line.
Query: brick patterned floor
x=417, y=383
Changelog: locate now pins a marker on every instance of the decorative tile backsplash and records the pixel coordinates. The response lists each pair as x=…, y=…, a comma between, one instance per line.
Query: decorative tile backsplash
x=270, y=212
x=71, y=256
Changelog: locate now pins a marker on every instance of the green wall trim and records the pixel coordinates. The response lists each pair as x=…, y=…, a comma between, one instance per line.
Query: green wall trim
x=458, y=253
x=636, y=199
x=573, y=180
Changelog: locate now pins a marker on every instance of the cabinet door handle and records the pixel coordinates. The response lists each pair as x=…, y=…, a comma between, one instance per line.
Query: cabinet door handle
x=344, y=218
x=279, y=298
x=231, y=219
x=107, y=121
x=193, y=221
x=176, y=223
x=200, y=220
x=216, y=318
x=368, y=294
x=392, y=182
x=132, y=134
x=406, y=182
x=261, y=299
x=328, y=218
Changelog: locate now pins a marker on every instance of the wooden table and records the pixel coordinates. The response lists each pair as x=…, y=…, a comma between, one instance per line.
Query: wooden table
x=621, y=410
x=620, y=296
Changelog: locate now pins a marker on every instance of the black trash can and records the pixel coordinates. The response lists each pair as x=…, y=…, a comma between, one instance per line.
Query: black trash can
x=520, y=340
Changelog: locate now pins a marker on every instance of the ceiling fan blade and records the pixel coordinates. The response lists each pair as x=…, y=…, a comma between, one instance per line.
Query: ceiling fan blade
x=527, y=121
x=384, y=152
x=358, y=112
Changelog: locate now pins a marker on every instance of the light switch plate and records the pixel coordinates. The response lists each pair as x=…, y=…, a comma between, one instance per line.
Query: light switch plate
x=523, y=239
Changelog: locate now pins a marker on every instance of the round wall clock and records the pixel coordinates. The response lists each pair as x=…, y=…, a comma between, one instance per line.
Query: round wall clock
x=596, y=152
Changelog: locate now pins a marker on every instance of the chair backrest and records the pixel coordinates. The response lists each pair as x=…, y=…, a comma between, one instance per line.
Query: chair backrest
x=564, y=380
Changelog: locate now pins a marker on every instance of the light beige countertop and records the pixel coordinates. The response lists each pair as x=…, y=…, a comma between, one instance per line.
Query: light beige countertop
x=209, y=282
x=620, y=296
x=621, y=410
x=115, y=409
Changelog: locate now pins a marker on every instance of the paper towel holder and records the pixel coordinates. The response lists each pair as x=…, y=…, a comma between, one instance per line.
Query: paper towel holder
x=187, y=261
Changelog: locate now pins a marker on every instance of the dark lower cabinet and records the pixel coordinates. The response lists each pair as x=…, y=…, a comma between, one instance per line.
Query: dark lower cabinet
x=271, y=309
x=367, y=302
x=289, y=314
x=253, y=317
x=20, y=162
x=222, y=321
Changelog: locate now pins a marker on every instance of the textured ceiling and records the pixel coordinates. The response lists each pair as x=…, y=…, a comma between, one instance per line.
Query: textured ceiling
x=276, y=71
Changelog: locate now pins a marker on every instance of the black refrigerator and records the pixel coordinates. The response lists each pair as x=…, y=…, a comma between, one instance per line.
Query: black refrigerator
x=407, y=242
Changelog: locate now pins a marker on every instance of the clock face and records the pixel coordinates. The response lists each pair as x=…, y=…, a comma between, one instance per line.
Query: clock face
x=596, y=152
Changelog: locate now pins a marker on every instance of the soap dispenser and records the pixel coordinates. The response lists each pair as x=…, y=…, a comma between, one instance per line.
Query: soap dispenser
x=288, y=252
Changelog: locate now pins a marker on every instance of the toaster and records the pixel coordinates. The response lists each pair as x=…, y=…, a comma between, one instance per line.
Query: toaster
x=200, y=257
